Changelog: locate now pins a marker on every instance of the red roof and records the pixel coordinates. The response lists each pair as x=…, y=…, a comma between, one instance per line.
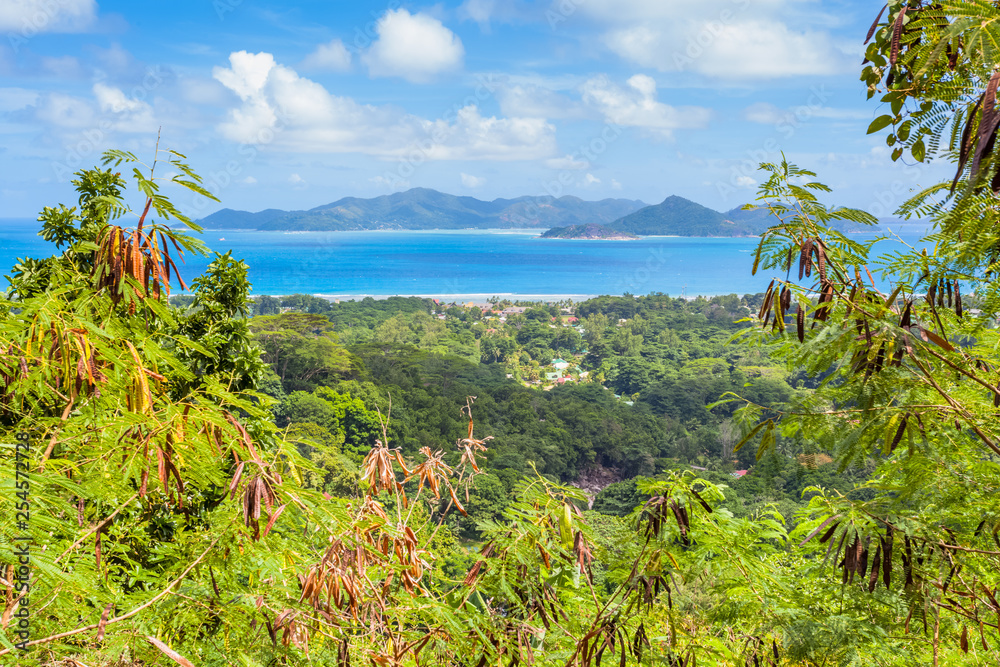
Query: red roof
x=740, y=473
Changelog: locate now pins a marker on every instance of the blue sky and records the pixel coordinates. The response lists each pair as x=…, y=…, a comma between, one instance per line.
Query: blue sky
x=295, y=105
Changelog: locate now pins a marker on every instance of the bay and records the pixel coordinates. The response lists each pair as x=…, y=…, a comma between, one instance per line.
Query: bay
x=460, y=263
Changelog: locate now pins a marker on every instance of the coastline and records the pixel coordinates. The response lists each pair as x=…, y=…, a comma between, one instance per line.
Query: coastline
x=483, y=298
x=450, y=298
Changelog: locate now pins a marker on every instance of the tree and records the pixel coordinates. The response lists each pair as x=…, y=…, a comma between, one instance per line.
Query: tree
x=140, y=420
x=302, y=349
x=267, y=305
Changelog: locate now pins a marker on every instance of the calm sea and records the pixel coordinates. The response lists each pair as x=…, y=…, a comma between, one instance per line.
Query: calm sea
x=459, y=263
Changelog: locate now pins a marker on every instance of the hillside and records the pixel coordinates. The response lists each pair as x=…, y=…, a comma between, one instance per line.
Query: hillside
x=677, y=216
x=588, y=232
x=423, y=208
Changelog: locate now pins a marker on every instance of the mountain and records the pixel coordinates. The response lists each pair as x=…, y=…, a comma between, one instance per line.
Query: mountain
x=676, y=216
x=423, y=208
x=588, y=232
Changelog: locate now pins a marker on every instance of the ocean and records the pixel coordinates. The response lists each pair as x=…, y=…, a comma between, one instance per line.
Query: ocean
x=462, y=264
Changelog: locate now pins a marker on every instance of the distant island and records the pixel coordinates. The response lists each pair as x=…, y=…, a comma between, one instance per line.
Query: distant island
x=589, y=232
x=425, y=209
x=422, y=208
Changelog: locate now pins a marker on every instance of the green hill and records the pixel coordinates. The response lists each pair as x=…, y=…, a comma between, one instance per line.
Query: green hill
x=677, y=216
x=423, y=208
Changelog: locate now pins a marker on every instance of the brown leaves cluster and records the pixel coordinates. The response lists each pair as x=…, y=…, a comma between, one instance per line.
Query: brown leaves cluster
x=984, y=118
x=67, y=358
x=140, y=257
x=777, y=302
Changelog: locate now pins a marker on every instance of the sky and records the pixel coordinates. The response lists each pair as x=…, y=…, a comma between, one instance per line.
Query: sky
x=293, y=105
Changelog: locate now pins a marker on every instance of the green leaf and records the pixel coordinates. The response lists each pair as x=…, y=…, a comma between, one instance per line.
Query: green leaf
x=766, y=441
x=879, y=123
x=756, y=429
x=918, y=150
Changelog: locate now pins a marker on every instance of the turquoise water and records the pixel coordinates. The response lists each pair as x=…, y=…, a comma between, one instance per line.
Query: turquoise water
x=467, y=262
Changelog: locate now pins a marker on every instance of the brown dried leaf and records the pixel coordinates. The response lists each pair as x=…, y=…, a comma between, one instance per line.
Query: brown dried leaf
x=104, y=621
x=871, y=31
x=169, y=652
x=897, y=35
x=274, y=517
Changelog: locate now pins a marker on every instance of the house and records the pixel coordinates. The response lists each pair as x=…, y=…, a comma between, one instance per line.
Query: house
x=739, y=473
x=553, y=376
x=560, y=365
x=564, y=380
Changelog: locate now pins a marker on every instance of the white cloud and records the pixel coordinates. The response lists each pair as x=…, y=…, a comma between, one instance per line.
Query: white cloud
x=479, y=11
x=472, y=182
x=13, y=99
x=131, y=115
x=636, y=105
x=745, y=182
x=615, y=185
x=764, y=113
x=718, y=38
x=250, y=180
x=768, y=114
x=415, y=47
x=333, y=56
x=393, y=184
x=26, y=18
x=297, y=182
x=114, y=100
x=533, y=101
x=293, y=113
x=66, y=112
x=590, y=179
x=63, y=67
x=567, y=162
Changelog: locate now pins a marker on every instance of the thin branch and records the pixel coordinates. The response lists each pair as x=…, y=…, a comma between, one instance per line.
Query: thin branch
x=96, y=528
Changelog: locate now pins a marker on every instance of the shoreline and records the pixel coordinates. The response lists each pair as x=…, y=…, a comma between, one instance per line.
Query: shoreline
x=483, y=298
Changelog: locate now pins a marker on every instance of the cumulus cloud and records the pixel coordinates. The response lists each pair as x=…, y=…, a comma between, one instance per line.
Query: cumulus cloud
x=293, y=113
x=636, y=105
x=472, y=182
x=26, y=18
x=745, y=182
x=415, y=47
x=590, y=179
x=333, y=56
x=718, y=38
